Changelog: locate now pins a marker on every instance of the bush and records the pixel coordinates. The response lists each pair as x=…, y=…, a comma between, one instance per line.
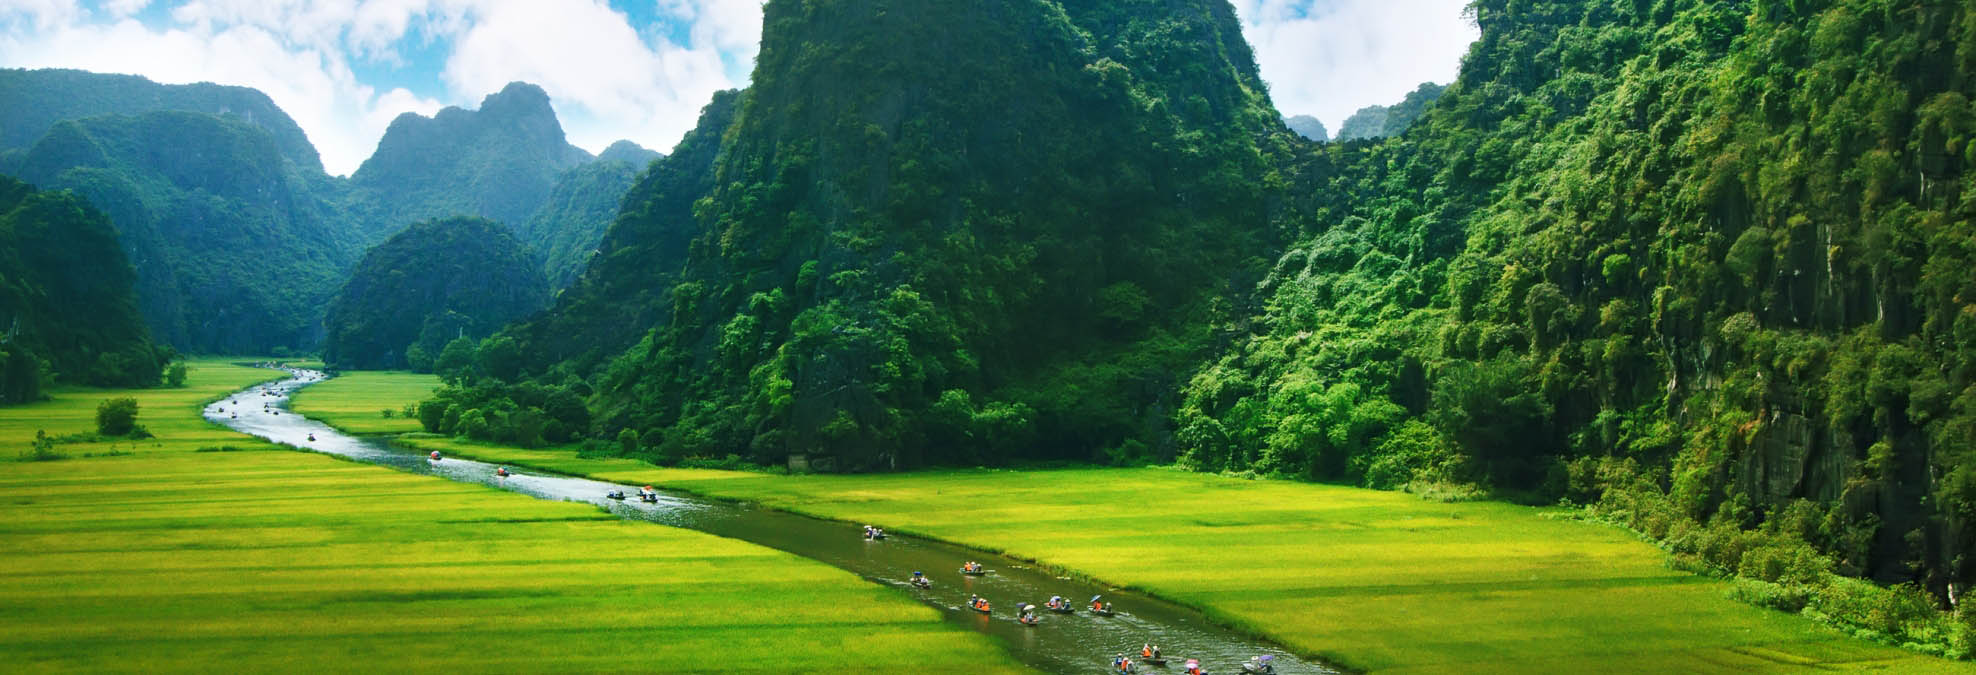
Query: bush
x=117, y=417
x=175, y=375
x=432, y=414
x=44, y=449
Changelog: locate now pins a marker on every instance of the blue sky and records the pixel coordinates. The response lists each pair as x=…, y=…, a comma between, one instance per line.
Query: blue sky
x=636, y=69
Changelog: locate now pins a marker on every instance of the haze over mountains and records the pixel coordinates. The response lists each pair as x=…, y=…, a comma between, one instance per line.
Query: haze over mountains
x=238, y=237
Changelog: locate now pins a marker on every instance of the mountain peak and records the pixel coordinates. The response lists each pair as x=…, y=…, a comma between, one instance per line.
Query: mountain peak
x=627, y=151
x=518, y=98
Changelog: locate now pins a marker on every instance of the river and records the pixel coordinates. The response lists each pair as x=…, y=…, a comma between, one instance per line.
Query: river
x=1073, y=643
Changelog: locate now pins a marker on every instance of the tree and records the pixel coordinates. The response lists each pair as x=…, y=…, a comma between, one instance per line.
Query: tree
x=175, y=375
x=116, y=417
x=456, y=361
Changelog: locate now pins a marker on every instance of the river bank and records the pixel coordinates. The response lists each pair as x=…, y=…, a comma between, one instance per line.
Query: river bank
x=1372, y=580
x=204, y=550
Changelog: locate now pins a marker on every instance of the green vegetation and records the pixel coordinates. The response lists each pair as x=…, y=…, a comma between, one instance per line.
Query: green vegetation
x=66, y=299
x=33, y=101
x=356, y=402
x=572, y=221
x=117, y=417
x=864, y=281
x=204, y=549
x=499, y=162
x=236, y=247
x=1375, y=580
x=435, y=282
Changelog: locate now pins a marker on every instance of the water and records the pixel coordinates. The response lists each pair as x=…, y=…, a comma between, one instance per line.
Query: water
x=1073, y=643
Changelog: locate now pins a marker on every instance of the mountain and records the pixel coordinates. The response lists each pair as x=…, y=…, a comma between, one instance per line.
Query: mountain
x=68, y=307
x=1381, y=121
x=892, y=262
x=565, y=231
x=625, y=289
x=236, y=246
x=433, y=282
x=33, y=101
x=1308, y=127
x=630, y=153
x=499, y=162
x=1703, y=265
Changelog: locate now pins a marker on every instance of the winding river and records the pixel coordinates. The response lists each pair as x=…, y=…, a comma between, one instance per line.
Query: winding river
x=1072, y=643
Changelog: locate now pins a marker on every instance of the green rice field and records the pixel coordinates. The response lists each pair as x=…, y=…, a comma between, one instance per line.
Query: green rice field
x=354, y=402
x=156, y=557
x=1378, y=581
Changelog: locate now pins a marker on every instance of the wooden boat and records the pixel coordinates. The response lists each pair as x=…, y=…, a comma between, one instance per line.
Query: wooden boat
x=1027, y=620
x=1103, y=612
x=978, y=571
x=922, y=582
x=615, y=494
x=983, y=608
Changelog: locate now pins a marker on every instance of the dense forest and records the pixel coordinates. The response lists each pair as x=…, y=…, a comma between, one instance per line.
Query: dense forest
x=435, y=282
x=1703, y=264
x=892, y=256
x=1308, y=127
x=566, y=229
x=68, y=306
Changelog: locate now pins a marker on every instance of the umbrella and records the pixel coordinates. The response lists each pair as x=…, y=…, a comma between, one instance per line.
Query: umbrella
x=1266, y=658
x=1094, y=598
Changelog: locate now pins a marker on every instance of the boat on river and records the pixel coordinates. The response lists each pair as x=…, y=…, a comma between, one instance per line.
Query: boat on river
x=973, y=569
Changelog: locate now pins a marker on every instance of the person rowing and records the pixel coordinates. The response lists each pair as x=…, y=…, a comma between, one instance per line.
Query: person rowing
x=502, y=472
x=435, y=455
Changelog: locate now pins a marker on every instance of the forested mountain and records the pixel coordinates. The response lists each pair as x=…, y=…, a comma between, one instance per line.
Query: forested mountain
x=240, y=239
x=1380, y=121
x=498, y=162
x=1704, y=263
x=891, y=254
x=426, y=286
x=237, y=248
x=565, y=231
x=1308, y=127
x=68, y=308
x=32, y=101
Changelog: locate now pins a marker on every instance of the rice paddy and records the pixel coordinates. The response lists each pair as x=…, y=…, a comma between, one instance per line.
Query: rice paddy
x=356, y=402
x=158, y=557
x=1377, y=581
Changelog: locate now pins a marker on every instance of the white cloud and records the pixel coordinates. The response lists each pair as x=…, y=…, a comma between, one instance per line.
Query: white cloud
x=605, y=79
x=1328, y=58
x=314, y=86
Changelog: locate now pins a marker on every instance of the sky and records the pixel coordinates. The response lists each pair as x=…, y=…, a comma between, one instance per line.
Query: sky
x=614, y=69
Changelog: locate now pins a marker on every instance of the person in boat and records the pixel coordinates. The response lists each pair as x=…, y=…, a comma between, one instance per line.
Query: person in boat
x=435, y=455
x=918, y=578
x=312, y=438
x=1193, y=668
x=1146, y=650
x=1156, y=652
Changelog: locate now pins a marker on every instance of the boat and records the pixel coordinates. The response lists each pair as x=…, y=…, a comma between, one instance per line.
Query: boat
x=1260, y=665
x=502, y=472
x=973, y=569
x=1100, y=608
x=615, y=494
x=921, y=582
x=980, y=605
x=435, y=455
x=648, y=497
x=1059, y=605
x=1027, y=620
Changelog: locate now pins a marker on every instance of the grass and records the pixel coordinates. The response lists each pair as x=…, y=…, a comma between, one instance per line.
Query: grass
x=1378, y=581
x=265, y=560
x=354, y=401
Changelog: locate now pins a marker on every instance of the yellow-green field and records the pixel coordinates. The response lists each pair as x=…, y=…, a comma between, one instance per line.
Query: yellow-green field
x=265, y=560
x=354, y=402
x=1377, y=581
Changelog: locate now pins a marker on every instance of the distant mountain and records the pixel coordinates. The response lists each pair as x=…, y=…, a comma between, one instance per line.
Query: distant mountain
x=33, y=101
x=67, y=298
x=565, y=231
x=1308, y=127
x=630, y=153
x=236, y=246
x=499, y=162
x=435, y=281
x=1381, y=121
x=624, y=290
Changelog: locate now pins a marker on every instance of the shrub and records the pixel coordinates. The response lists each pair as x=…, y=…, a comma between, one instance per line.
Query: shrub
x=116, y=417
x=175, y=375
